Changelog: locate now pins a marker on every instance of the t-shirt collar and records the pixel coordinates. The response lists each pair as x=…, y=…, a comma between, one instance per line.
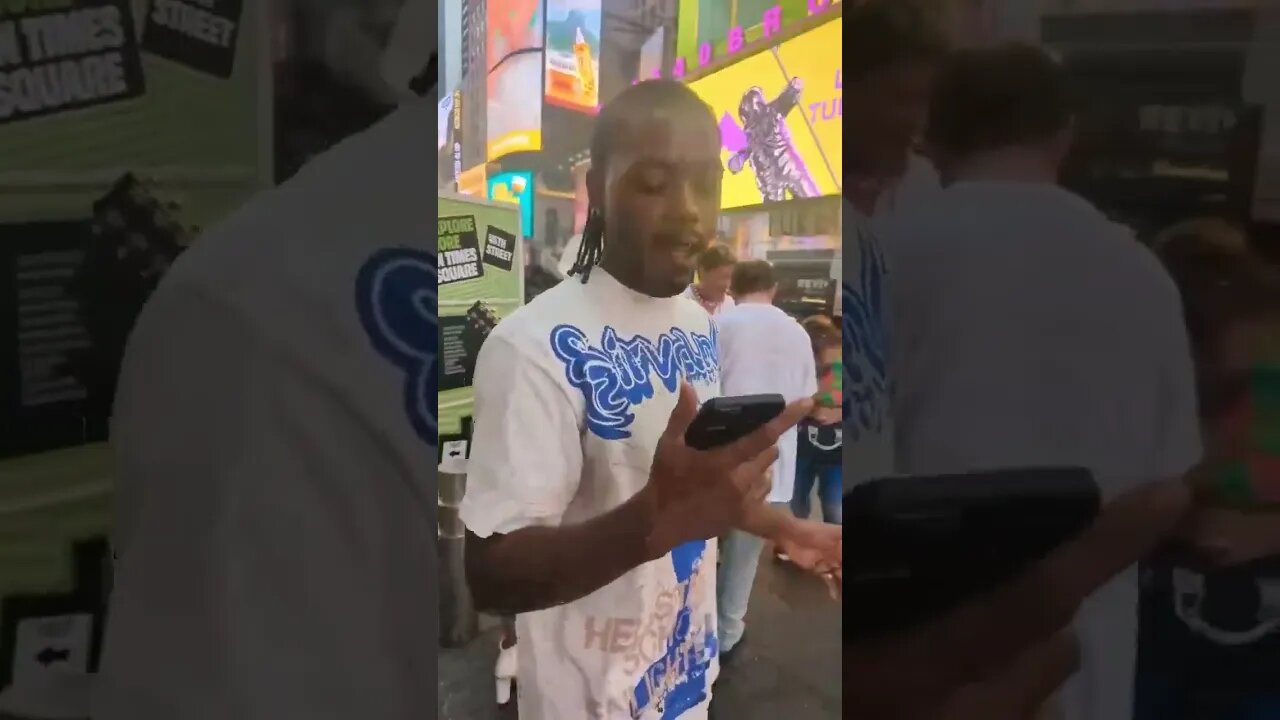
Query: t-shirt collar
x=608, y=289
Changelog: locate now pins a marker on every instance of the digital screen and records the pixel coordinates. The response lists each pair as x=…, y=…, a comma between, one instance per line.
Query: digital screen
x=709, y=24
x=581, y=203
x=573, y=54
x=514, y=58
x=515, y=188
x=444, y=118
x=780, y=114
x=651, y=56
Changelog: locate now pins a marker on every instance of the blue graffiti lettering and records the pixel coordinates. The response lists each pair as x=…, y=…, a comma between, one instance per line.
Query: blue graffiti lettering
x=619, y=374
x=677, y=681
x=396, y=302
x=865, y=334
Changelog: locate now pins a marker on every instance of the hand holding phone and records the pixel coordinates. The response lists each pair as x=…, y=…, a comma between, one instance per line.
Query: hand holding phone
x=700, y=492
x=921, y=546
x=1007, y=643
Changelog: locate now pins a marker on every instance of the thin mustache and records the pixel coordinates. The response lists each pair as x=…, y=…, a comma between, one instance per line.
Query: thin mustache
x=684, y=237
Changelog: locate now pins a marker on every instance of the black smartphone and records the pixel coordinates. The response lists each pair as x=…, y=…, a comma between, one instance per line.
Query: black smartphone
x=723, y=420
x=918, y=547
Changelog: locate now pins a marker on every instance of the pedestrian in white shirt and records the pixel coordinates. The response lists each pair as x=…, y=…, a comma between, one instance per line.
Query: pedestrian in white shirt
x=588, y=516
x=715, y=270
x=763, y=350
x=1028, y=330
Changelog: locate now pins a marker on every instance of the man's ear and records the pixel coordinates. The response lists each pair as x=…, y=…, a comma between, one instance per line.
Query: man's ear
x=1063, y=141
x=595, y=187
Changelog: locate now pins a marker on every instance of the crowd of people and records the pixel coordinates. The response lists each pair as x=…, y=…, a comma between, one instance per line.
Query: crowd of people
x=274, y=536
x=990, y=319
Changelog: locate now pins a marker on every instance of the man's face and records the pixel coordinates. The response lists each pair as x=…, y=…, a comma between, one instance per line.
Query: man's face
x=890, y=109
x=714, y=282
x=662, y=196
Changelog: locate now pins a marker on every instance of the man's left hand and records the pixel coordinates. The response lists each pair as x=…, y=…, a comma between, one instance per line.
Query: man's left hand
x=1233, y=537
x=817, y=547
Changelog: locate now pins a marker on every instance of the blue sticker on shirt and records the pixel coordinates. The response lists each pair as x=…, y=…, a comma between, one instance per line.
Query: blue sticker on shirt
x=396, y=302
x=677, y=681
x=866, y=341
x=617, y=375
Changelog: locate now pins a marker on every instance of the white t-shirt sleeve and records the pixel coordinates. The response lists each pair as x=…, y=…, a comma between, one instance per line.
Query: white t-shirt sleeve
x=526, y=446
x=810, y=379
x=248, y=583
x=1179, y=443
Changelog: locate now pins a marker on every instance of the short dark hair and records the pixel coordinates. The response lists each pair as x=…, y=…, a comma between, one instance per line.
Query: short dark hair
x=880, y=33
x=752, y=276
x=717, y=255
x=996, y=97
x=824, y=334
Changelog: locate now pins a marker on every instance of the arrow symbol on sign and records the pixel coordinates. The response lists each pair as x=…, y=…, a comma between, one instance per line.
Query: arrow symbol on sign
x=49, y=656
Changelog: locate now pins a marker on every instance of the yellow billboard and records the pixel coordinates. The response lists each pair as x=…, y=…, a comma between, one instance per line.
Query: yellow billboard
x=780, y=113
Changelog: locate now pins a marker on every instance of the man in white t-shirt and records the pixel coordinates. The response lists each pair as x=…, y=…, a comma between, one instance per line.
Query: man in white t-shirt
x=275, y=432
x=588, y=517
x=763, y=350
x=1028, y=330
x=715, y=270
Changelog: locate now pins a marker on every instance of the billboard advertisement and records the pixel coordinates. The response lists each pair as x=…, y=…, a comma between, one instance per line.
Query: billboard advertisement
x=581, y=202
x=709, y=30
x=515, y=188
x=651, y=56
x=513, y=54
x=480, y=280
x=444, y=118
x=573, y=54
x=780, y=113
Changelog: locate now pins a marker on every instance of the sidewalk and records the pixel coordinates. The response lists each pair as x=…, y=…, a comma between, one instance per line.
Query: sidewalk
x=790, y=663
x=466, y=679
x=789, y=666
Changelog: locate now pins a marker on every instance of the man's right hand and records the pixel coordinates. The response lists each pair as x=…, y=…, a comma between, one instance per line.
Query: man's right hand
x=1003, y=654
x=701, y=494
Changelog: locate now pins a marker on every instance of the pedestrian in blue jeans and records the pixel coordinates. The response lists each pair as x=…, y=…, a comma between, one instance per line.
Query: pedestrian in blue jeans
x=818, y=448
x=818, y=461
x=1209, y=631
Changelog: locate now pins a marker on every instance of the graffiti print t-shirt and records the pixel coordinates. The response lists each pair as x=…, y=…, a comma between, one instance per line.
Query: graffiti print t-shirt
x=572, y=393
x=275, y=453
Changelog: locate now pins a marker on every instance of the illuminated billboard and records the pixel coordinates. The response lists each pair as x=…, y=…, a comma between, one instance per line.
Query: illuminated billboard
x=444, y=117
x=515, y=188
x=708, y=30
x=781, y=116
x=651, y=56
x=573, y=54
x=513, y=54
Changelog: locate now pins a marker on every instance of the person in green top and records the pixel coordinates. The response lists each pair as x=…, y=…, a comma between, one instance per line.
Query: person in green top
x=1210, y=627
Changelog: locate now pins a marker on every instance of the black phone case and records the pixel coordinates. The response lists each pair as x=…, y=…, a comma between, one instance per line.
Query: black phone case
x=723, y=420
x=917, y=547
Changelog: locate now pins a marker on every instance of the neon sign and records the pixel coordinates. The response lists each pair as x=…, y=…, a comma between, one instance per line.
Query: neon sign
x=696, y=51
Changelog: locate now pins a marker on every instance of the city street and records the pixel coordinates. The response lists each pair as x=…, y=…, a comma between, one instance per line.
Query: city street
x=789, y=665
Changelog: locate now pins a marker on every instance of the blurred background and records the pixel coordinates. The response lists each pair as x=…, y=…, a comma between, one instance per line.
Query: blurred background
x=98, y=195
